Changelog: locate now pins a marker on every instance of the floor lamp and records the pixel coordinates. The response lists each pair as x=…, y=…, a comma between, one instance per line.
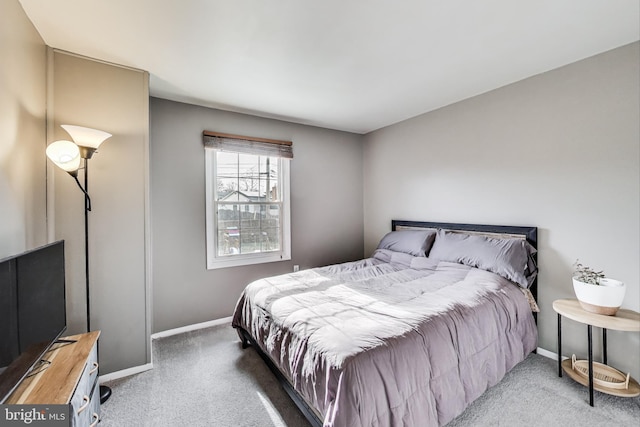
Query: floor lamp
x=67, y=155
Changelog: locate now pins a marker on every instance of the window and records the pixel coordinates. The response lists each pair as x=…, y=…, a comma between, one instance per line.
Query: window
x=247, y=200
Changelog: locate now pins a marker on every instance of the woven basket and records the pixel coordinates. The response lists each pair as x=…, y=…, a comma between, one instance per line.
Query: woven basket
x=603, y=375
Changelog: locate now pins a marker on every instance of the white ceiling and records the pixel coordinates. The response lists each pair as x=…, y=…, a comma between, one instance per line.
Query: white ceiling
x=354, y=65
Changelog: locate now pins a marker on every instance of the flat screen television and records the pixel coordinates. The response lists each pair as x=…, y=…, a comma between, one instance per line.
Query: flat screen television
x=32, y=311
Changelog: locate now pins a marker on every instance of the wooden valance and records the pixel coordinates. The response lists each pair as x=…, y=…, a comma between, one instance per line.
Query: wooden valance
x=248, y=144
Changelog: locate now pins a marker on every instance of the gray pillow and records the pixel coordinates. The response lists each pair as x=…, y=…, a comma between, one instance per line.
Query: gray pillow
x=509, y=258
x=412, y=242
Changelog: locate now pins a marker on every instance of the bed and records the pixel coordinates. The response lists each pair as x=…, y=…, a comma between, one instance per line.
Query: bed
x=410, y=336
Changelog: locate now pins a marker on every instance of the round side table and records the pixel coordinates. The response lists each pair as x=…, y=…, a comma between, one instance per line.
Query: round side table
x=624, y=320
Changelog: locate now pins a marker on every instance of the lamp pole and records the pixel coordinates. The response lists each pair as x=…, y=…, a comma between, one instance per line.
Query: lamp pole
x=87, y=208
x=105, y=391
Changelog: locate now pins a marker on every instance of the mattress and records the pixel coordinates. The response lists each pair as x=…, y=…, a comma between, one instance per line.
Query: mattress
x=391, y=340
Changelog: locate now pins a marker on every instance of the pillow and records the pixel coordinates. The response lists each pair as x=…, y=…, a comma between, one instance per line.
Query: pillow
x=412, y=242
x=509, y=258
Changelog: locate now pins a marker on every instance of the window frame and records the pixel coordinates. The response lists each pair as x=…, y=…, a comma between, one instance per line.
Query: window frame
x=215, y=261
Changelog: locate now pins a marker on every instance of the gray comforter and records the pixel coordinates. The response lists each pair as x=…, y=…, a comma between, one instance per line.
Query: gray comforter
x=392, y=340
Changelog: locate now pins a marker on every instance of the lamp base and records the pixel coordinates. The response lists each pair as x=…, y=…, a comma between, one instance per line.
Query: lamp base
x=105, y=393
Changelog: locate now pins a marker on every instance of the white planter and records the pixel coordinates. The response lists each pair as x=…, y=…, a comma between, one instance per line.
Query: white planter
x=604, y=298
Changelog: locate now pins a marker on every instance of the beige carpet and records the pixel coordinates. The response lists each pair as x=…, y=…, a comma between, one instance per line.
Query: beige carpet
x=204, y=378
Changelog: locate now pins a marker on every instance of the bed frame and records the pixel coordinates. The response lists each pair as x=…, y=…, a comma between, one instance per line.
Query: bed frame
x=528, y=233
x=302, y=404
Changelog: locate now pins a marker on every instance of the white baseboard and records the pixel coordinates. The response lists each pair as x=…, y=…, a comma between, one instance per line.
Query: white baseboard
x=546, y=353
x=550, y=354
x=125, y=373
x=189, y=328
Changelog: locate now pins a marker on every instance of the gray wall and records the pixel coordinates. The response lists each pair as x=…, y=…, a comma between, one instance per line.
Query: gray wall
x=559, y=150
x=23, y=78
x=35, y=94
x=116, y=100
x=326, y=208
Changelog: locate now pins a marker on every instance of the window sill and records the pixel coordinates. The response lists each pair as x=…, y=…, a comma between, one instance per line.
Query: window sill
x=238, y=261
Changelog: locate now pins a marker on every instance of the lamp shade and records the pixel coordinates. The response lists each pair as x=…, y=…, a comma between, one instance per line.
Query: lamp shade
x=86, y=137
x=65, y=154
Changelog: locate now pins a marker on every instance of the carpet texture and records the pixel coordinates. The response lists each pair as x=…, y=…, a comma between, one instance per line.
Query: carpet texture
x=204, y=378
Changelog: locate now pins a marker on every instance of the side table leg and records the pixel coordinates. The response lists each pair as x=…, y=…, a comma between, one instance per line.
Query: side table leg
x=604, y=345
x=590, y=343
x=559, y=345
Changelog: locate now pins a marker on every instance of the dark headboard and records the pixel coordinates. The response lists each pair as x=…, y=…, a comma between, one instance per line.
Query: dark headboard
x=528, y=233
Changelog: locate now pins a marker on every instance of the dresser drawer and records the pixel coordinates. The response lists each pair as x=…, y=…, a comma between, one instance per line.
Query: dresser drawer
x=86, y=397
x=94, y=408
x=92, y=365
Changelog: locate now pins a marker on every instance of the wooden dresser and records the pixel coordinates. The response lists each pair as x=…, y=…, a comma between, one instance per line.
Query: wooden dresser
x=71, y=378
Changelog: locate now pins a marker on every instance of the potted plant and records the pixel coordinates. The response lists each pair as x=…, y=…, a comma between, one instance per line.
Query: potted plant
x=595, y=292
